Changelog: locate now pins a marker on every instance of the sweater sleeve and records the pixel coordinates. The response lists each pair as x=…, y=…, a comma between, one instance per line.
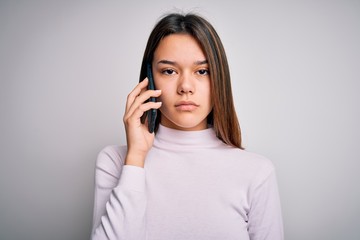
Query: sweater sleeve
x=265, y=219
x=120, y=199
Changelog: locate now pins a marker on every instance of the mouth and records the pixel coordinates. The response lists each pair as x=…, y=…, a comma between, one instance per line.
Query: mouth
x=186, y=106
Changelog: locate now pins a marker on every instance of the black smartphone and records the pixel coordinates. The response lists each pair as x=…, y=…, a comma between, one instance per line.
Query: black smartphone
x=151, y=114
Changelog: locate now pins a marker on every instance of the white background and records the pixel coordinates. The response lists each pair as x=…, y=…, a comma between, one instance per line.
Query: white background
x=67, y=67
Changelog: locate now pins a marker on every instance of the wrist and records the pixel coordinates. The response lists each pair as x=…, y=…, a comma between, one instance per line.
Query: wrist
x=135, y=159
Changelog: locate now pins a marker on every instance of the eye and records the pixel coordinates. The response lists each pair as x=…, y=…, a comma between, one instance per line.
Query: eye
x=168, y=71
x=203, y=72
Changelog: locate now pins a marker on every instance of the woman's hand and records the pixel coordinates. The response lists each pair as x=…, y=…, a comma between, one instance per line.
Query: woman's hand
x=139, y=139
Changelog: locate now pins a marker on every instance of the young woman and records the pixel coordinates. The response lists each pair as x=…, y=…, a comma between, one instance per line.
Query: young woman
x=190, y=179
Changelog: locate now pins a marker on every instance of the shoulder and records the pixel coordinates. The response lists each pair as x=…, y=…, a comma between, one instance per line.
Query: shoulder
x=257, y=160
x=255, y=166
x=264, y=165
x=249, y=158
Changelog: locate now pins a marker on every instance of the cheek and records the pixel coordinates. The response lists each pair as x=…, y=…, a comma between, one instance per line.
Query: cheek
x=166, y=90
x=165, y=96
x=206, y=92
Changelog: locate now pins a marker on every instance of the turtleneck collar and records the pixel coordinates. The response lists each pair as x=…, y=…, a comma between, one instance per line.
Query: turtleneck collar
x=169, y=138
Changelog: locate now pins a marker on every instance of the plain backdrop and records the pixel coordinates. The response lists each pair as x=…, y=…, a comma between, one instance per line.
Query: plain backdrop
x=66, y=68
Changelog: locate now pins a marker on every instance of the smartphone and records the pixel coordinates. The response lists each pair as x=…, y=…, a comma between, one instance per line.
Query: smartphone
x=151, y=114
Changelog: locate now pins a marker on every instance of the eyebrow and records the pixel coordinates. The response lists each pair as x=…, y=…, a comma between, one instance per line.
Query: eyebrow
x=174, y=63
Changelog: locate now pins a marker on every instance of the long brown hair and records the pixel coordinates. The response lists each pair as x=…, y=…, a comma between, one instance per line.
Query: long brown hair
x=223, y=116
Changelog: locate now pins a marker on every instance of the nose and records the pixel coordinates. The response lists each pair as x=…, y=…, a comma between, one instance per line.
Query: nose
x=186, y=84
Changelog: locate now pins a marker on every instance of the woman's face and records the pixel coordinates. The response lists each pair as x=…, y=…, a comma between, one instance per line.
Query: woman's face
x=181, y=71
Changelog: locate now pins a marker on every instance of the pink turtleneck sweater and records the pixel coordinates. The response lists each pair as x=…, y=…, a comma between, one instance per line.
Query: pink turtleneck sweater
x=193, y=186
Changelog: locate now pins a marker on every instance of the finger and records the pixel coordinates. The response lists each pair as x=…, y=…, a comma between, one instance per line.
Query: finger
x=138, y=112
x=139, y=100
x=146, y=107
x=136, y=92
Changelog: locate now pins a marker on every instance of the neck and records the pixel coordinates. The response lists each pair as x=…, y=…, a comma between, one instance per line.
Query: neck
x=178, y=139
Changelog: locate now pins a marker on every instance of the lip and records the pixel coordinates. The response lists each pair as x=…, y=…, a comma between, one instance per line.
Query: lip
x=186, y=106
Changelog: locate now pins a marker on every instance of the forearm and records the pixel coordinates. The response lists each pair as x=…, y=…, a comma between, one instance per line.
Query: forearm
x=124, y=215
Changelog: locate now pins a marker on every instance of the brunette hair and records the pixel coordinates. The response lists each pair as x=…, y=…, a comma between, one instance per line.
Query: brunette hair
x=223, y=116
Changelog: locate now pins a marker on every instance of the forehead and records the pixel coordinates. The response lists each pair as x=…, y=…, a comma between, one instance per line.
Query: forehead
x=179, y=47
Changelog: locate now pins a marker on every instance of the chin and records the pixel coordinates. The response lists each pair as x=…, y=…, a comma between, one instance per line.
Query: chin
x=185, y=122
x=188, y=126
